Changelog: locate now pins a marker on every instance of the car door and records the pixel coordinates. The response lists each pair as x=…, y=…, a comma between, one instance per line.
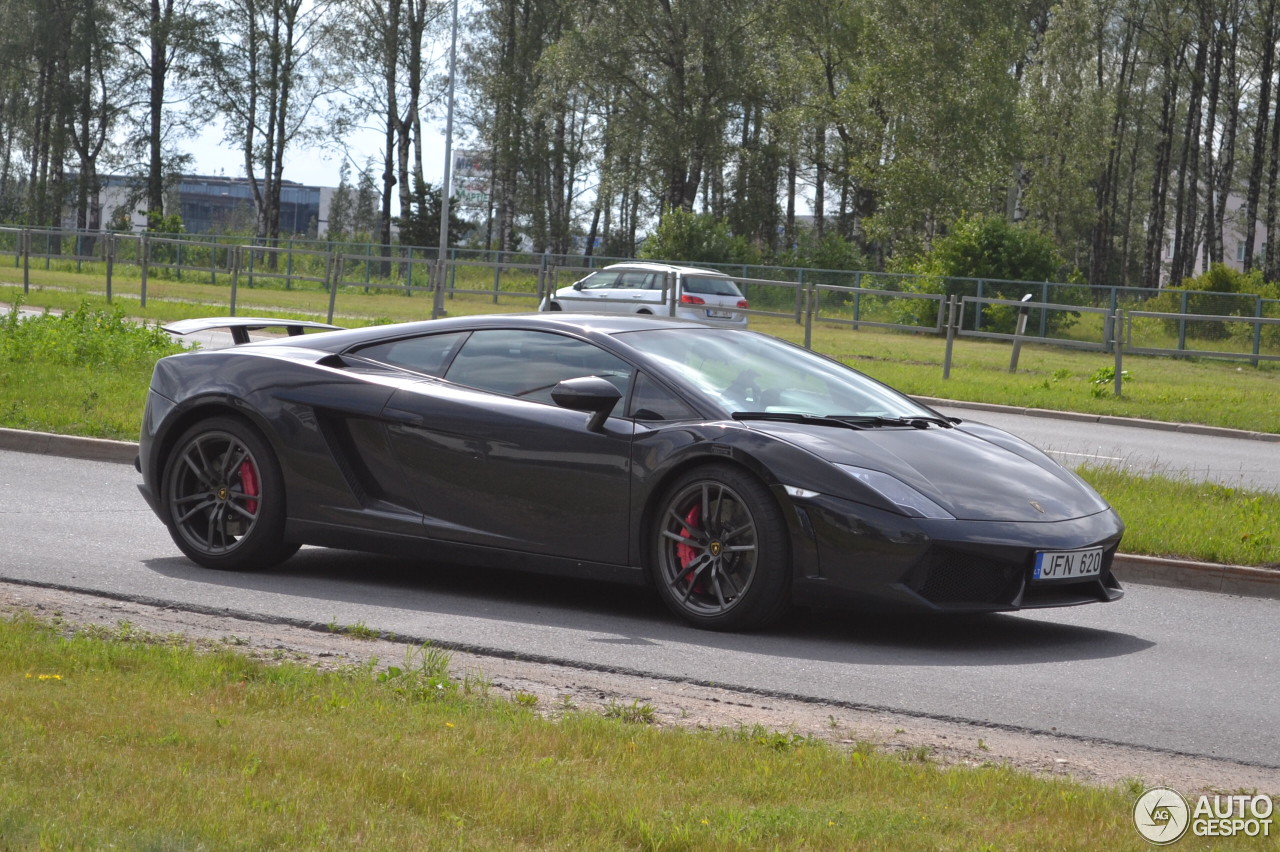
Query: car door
x=640, y=288
x=494, y=462
x=598, y=293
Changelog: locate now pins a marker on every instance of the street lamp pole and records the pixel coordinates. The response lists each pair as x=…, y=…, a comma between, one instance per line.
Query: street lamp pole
x=437, y=309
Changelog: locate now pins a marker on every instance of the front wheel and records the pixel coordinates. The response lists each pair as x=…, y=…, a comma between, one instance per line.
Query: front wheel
x=223, y=497
x=721, y=557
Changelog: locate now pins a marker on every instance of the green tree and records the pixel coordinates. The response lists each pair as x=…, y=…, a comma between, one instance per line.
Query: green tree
x=341, y=206
x=420, y=226
x=269, y=78
x=365, y=218
x=687, y=237
x=158, y=46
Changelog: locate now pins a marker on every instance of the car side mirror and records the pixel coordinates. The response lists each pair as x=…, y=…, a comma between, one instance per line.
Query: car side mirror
x=577, y=285
x=588, y=393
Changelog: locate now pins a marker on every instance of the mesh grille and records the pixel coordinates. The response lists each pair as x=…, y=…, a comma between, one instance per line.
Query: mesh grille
x=964, y=578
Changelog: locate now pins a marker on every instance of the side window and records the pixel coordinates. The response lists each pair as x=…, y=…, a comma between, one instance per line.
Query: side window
x=600, y=281
x=528, y=364
x=651, y=401
x=633, y=280
x=428, y=354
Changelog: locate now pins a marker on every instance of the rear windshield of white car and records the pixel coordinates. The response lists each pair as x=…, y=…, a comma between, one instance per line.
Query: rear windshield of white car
x=707, y=285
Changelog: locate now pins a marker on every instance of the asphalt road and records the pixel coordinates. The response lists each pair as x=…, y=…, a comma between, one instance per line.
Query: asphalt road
x=1235, y=462
x=1188, y=672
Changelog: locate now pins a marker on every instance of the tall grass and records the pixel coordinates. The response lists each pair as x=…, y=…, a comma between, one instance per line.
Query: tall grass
x=1176, y=516
x=120, y=742
x=82, y=372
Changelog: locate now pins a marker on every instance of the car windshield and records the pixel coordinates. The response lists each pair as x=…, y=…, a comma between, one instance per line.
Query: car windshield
x=750, y=372
x=708, y=285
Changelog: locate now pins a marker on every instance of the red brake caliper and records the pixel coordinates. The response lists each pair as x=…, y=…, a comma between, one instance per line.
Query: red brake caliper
x=684, y=552
x=249, y=481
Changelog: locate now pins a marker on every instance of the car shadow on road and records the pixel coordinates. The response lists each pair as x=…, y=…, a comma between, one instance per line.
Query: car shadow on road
x=622, y=615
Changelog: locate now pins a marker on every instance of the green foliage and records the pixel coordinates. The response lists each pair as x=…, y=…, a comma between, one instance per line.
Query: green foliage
x=420, y=225
x=1220, y=278
x=159, y=223
x=1178, y=515
x=1219, y=291
x=340, y=206
x=1004, y=255
x=1103, y=380
x=688, y=237
x=82, y=337
x=992, y=247
x=634, y=713
x=831, y=251
x=424, y=677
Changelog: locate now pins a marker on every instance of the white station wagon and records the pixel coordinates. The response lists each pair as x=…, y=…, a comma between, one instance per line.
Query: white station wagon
x=638, y=288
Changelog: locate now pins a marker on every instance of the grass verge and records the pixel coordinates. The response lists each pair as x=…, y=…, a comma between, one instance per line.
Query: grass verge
x=1173, y=516
x=123, y=740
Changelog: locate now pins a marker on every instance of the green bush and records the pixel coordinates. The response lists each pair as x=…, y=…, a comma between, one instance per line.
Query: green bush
x=685, y=237
x=82, y=337
x=1219, y=291
x=1004, y=255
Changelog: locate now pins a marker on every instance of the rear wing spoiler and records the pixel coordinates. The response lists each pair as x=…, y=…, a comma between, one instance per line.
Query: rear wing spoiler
x=241, y=326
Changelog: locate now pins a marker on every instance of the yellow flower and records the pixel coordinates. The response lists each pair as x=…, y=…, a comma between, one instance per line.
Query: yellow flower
x=706, y=822
x=448, y=724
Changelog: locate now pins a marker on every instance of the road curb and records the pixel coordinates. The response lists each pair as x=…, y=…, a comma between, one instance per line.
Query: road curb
x=1107, y=419
x=1145, y=570
x=1199, y=576
x=70, y=446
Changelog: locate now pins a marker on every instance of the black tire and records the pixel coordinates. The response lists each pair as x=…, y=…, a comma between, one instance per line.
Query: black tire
x=223, y=497
x=732, y=572
x=554, y=306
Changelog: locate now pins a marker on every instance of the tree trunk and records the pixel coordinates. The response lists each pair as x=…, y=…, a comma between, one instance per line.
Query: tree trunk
x=1253, y=190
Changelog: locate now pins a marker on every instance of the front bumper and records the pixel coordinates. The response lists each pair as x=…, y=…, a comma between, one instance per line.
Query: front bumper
x=871, y=556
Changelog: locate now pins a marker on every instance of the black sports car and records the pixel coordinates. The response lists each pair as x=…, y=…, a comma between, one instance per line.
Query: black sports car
x=736, y=473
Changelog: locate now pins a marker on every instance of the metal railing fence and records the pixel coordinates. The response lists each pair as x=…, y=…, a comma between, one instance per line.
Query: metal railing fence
x=1117, y=320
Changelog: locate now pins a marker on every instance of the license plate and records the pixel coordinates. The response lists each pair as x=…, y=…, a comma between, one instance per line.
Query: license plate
x=720, y=314
x=1068, y=564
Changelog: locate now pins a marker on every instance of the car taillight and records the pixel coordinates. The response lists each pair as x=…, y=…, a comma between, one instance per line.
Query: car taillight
x=743, y=303
x=686, y=299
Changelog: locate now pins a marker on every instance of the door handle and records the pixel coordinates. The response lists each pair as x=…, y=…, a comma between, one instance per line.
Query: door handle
x=399, y=415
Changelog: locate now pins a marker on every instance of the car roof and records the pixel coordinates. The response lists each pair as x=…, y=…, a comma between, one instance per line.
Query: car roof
x=580, y=323
x=666, y=267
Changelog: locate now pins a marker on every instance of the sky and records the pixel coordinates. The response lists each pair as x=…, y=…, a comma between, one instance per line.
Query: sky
x=314, y=167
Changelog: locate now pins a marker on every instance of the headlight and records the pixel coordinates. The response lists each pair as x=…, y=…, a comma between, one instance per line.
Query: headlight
x=910, y=501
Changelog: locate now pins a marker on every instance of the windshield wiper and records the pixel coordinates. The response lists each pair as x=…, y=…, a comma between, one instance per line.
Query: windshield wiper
x=794, y=417
x=920, y=422
x=849, y=421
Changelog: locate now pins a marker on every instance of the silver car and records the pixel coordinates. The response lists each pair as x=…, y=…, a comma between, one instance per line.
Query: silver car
x=639, y=288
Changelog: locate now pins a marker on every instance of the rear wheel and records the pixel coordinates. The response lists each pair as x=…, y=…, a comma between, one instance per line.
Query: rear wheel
x=223, y=497
x=721, y=558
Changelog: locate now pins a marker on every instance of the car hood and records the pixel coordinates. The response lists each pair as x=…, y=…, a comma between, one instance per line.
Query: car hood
x=975, y=472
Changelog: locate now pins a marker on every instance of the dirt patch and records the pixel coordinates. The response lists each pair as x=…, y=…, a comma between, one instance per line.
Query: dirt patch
x=672, y=703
